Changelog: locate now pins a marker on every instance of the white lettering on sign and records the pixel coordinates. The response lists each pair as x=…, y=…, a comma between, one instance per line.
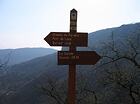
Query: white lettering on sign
x=57, y=34
x=68, y=56
x=64, y=57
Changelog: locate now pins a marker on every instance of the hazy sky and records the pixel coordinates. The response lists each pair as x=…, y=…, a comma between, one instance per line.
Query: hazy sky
x=24, y=23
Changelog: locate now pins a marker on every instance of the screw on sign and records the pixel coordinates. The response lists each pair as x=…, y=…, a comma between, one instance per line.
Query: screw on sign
x=72, y=57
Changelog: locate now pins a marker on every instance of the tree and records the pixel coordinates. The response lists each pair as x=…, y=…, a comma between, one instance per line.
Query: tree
x=121, y=64
x=56, y=90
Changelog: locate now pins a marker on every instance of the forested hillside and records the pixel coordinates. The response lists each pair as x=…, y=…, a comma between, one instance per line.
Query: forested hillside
x=115, y=79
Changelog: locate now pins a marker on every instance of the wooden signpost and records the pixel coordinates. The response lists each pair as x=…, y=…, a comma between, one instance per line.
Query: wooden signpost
x=72, y=57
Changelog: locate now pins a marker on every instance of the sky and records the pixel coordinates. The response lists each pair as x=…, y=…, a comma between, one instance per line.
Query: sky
x=25, y=23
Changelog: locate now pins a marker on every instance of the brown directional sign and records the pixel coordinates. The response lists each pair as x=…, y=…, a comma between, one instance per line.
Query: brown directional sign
x=77, y=57
x=65, y=39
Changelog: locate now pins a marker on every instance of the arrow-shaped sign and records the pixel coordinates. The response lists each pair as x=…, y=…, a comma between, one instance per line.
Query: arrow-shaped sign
x=66, y=39
x=78, y=57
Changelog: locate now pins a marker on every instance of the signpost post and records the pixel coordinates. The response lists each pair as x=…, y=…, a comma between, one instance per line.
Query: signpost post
x=72, y=57
x=72, y=67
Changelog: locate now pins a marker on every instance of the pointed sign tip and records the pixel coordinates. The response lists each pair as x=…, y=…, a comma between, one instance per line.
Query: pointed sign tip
x=73, y=10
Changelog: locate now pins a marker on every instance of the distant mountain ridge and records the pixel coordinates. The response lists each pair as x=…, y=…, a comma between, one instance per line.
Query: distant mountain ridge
x=19, y=55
